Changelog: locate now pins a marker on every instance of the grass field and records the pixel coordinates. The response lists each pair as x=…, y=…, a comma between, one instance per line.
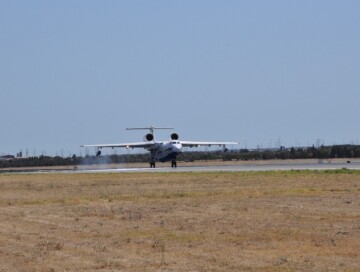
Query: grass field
x=266, y=221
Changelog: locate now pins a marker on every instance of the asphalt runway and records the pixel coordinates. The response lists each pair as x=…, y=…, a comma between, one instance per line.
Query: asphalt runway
x=241, y=167
x=233, y=168
x=281, y=166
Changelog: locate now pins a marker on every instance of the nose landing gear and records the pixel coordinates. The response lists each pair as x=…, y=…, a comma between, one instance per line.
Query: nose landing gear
x=173, y=164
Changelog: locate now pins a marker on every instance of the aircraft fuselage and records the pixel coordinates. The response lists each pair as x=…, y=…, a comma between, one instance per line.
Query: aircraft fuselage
x=165, y=151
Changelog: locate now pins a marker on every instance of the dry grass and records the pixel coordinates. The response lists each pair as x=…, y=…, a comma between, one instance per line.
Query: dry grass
x=268, y=221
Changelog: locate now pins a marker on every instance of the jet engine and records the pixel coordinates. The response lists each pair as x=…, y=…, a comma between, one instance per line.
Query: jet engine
x=174, y=136
x=149, y=137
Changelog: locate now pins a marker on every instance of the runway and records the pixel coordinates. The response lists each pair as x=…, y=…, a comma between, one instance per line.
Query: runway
x=240, y=167
x=232, y=168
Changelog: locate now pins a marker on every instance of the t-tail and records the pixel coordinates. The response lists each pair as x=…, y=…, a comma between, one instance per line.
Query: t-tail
x=150, y=136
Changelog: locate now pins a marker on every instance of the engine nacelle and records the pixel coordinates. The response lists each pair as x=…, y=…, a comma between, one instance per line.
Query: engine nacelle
x=149, y=137
x=174, y=136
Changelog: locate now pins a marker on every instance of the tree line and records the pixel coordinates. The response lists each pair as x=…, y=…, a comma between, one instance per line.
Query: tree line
x=321, y=152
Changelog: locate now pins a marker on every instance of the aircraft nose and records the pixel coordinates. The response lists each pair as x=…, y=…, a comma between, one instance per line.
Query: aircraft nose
x=177, y=147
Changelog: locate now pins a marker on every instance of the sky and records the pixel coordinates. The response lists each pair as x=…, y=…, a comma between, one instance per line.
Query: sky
x=259, y=72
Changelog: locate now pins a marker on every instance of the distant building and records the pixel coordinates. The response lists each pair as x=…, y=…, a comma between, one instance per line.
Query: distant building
x=7, y=157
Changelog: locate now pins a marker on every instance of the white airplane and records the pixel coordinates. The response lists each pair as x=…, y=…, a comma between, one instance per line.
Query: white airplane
x=160, y=150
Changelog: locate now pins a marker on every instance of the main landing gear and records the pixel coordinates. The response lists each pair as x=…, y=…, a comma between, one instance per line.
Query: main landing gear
x=173, y=164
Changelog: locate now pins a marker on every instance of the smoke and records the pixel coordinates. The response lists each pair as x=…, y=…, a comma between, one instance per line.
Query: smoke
x=100, y=162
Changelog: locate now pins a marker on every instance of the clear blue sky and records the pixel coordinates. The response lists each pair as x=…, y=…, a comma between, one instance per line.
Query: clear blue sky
x=75, y=72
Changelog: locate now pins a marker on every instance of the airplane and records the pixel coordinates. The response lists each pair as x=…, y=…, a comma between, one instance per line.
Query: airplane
x=160, y=151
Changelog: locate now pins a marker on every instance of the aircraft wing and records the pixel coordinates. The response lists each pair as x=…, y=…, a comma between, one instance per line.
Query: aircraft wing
x=124, y=145
x=196, y=144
